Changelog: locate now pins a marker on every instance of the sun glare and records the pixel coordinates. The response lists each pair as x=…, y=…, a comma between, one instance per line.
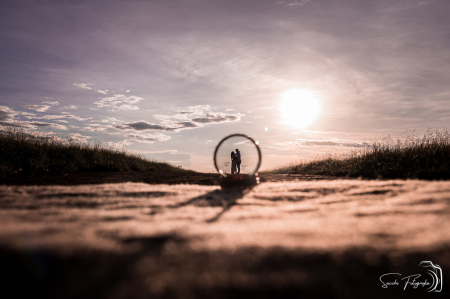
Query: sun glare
x=299, y=107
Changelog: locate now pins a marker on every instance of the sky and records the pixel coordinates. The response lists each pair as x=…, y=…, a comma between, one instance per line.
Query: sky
x=170, y=79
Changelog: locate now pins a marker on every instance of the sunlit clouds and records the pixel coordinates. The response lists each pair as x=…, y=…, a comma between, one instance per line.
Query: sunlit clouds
x=191, y=117
x=83, y=85
x=38, y=108
x=147, y=138
x=54, y=103
x=119, y=102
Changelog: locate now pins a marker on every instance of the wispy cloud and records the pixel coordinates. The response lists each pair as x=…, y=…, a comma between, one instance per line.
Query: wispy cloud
x=191, y=117
x=55, y=103
x=102, y=91
x=280, y=148
x=70, y=107
x=119, y=102
x=293, y=3
x=93, y=127
x=38, y=108
x=146, y=126
x=83, y=85
x=111, y=120
x=6, y=114
x=8, y=118
x=211, y=117
x=169, y=151
x=200, y=114
x=147, y=138
x=305, y=142
x=64, y=116
x=43, y=124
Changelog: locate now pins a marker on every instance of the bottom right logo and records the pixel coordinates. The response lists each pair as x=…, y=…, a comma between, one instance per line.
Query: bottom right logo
x=415, y=281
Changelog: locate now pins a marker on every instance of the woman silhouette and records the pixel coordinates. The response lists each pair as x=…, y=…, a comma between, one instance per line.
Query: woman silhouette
x=233, y=162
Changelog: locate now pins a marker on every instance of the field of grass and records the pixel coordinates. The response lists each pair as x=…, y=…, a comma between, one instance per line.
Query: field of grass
x=411, y=156
x=25, y=154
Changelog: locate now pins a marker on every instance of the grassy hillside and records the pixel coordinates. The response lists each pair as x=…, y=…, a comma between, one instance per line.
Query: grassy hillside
x=24, y=154
x=426, y=157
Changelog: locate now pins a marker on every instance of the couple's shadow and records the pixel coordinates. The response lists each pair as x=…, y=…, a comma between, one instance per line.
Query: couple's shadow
x=227, y=198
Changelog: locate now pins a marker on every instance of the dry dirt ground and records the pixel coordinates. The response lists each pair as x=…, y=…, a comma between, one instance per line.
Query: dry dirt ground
x=149, y=177
x=294, y=239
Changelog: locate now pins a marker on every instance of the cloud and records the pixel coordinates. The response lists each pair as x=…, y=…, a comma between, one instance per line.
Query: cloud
x=64, y=116
x=281, y=148
x=111, y=120
x=119, y=102
x=192, y=117
x=146, y=126
x=79, y=138
x=293, y=3
x=8, y=124
x=102, y=91
x=196, y=116
x=7, y=119
x=83, y=85
x=6, y=114
x=118, y=145
x=47, y=125
x=171, y=152
x=38, y=108
x=147, y=138
x=143, y=126
x=305, y=142
x=244, y=142
x=211, y=117
x=70, y=107
x=55, y=103
x=97, y=128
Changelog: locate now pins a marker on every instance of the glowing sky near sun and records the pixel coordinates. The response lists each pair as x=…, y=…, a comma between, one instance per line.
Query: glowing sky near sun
x=169, y=79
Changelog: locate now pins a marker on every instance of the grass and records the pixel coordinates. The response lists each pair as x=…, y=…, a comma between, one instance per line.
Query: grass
x=408, y=157
x=28, y=154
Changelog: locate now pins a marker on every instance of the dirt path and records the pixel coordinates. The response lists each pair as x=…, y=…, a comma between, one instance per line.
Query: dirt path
x=322, y=239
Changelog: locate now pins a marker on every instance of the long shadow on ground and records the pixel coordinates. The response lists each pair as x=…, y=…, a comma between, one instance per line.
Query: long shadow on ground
x=224, y=198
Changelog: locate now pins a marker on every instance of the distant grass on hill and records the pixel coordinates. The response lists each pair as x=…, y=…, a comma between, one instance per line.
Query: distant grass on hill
x=25, y=154
x=426, y=157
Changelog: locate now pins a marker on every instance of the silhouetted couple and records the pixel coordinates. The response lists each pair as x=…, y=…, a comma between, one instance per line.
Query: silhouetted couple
x=235, y=162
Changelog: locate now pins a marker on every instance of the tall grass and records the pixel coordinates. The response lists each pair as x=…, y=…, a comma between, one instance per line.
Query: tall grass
x=410, y=156
x=25, y=154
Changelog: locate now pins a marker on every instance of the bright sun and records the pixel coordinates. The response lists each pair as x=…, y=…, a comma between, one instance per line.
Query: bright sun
x=299, y=107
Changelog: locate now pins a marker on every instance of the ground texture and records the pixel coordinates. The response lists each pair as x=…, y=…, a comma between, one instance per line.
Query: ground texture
x=148, y=177
x=321, y=239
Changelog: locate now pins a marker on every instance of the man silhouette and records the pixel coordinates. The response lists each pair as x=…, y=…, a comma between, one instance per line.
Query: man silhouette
x=238, y=161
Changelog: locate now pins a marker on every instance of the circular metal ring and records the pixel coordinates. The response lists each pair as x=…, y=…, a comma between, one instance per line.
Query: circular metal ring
x=237, y=135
